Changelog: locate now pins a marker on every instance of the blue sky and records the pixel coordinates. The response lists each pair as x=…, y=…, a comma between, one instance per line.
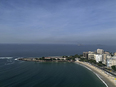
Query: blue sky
x=58, y=21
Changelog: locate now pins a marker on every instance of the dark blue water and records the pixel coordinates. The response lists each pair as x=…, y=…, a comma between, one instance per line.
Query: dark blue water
x=35, y=74
x=39, y=50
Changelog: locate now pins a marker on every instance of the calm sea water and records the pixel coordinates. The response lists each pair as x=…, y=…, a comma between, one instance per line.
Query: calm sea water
x=39, y=50
x=34, y=74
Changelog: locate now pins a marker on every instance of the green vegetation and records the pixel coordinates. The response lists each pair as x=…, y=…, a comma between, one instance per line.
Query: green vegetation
x=114, y=68
x=83, y=60
x=58, y=59
x=72, y=58
x=53, y=59
x=64, y=58
x=37, y=58
x=111, y=54
x=43, y=58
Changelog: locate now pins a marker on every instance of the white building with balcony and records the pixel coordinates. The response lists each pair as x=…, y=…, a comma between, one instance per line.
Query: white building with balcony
x=111, y=61
x=98, y=57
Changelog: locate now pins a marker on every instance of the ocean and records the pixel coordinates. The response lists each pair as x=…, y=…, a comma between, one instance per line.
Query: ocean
x=40, y=50
x=15, y=73
x=35, y=74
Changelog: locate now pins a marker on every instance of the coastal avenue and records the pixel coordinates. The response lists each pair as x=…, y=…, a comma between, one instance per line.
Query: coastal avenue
x=107, y=71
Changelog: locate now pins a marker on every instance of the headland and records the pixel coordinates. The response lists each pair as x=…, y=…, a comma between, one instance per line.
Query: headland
x=49, y=59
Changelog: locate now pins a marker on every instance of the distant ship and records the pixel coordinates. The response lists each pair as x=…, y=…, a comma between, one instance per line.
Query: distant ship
x=99, y=45
x=79, y=44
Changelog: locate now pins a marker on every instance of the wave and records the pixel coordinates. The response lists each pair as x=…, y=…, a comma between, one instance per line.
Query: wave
x=6, y=57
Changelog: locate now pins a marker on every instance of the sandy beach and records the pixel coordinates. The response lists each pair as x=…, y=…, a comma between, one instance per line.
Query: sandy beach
x=107, y=79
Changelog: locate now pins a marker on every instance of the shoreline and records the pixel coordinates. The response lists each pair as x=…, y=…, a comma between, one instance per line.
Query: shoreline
x=101, y=79
x=96, y=75
x=108, y=80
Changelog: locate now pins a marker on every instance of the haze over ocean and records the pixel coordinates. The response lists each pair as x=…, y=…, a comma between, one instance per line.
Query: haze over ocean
x=39, y=50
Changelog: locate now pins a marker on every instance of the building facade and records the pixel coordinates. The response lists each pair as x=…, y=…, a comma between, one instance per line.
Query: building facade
x=111, y=62
x=107, y=53
x=104, y=60
x=100, y=51
x=115, y=54
x=98, y=57
x=85, y=55
x=91, y=56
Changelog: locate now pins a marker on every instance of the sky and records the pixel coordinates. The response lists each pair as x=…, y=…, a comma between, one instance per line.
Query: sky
x=58, y=21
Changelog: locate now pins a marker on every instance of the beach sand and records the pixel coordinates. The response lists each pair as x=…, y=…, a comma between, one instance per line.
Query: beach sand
x=107, y=79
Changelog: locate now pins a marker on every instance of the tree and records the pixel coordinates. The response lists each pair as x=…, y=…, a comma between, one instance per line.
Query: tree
x=43, y=58
x=111, y=54
x=66, y=56
x=62, y=56
x=40, y=58
x=54, y=59
x=37, y=58
x=76, y=55
x=100, y=62
x=58, y=59
x=114, y=68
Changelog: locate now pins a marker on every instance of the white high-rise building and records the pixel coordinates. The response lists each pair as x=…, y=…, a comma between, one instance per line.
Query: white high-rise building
x=100, y=51
x=105, y=57
x=104, y=60
x=111, y=61
x=98, y=57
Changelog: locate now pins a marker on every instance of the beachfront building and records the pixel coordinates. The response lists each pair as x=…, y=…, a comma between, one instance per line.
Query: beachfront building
x=111, y=62
x=85, y=55
x=107, y=53
x=91, y=56
x=98, y=57
x=90, y=52
x=100, y=51
x=109, y=56
x=115, y=54
x=104, y=59
x=114, y=57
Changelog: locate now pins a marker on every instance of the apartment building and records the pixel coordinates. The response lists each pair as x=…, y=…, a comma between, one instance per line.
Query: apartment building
x=100, y=51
